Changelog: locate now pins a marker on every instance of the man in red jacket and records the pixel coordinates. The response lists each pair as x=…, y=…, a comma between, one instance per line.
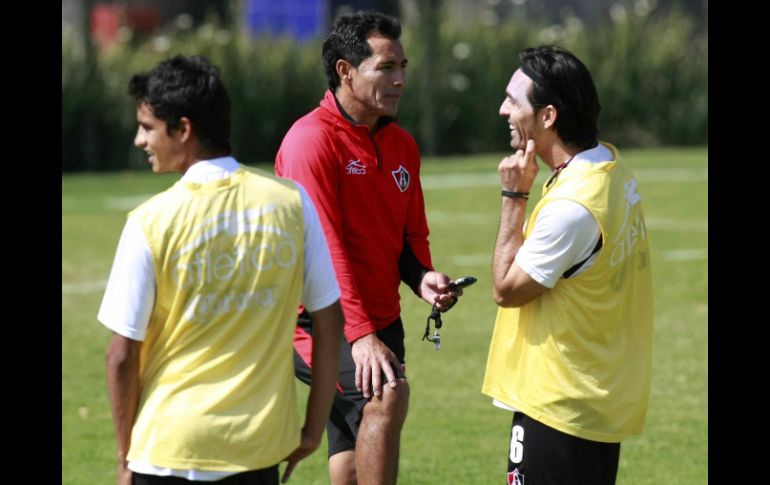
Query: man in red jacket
x=362, y=172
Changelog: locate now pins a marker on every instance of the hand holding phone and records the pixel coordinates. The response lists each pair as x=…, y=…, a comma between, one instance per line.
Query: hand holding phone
x=457, y=286
x=461, y=283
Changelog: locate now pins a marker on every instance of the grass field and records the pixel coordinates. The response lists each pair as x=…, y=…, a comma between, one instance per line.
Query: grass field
x=453, y=434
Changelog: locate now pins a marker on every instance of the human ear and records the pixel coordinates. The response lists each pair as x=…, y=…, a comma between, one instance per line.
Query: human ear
x=344, y=71
x=549, y=115
x=185, y=128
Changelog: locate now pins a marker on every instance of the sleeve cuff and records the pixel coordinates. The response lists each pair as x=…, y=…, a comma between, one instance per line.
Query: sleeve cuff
x=353, y=334
x=121, y=329
x=536, y=275
x=322, y=302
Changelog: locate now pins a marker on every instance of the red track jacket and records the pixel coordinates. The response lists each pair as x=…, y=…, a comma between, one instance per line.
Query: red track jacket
x=367, y=191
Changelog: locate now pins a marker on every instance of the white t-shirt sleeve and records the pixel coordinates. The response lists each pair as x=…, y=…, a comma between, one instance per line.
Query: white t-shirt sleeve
x=320, y=282
x=565, y=234
x=130, y=293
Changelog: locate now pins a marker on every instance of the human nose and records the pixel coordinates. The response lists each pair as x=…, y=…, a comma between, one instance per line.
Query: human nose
x=504, y=110
x=139, y=139
x=400, y=78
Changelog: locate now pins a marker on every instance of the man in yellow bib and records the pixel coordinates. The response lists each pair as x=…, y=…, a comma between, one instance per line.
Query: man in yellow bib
x=202, y=300
x=572, y=345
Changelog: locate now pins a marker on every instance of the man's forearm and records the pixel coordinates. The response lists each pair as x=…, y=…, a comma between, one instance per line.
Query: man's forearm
x=327, y=333
x=510, y=237
x=123, y=384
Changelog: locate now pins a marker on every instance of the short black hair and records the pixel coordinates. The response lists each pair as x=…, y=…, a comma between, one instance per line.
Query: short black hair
x=562, y=80
x=347, y=40
x=187, y=86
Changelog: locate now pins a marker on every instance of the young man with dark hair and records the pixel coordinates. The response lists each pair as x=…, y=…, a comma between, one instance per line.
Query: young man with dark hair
x=202, y=301
x=363, y=173
x=572, y=344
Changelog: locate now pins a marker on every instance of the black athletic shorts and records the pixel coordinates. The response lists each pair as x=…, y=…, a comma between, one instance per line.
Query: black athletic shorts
x=265, y=476
x=349, y=402
x=540, y=455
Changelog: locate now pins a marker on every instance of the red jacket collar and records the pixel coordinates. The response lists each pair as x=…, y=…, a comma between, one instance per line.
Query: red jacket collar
x=330, y=104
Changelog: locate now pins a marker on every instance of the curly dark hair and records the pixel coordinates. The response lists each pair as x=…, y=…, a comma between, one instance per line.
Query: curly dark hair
x=187, y=86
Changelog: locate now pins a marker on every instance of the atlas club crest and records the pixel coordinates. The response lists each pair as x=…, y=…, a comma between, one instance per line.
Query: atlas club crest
x=402, y=178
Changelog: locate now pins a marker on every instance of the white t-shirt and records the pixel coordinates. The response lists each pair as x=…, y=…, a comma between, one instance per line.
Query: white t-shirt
x=130, y=293
x=565, y=234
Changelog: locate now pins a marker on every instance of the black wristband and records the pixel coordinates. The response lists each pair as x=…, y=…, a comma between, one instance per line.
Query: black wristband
x=515, y=195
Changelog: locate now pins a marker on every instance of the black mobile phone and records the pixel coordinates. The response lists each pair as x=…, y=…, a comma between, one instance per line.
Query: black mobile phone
x=460, y=283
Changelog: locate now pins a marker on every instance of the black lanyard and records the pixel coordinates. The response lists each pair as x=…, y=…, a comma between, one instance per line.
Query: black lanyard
x=557, y=171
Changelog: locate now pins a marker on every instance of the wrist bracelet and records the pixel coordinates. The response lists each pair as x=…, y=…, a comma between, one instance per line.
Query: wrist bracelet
x=515, y=195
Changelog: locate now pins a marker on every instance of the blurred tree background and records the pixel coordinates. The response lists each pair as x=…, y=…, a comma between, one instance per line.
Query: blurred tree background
x=649, y=59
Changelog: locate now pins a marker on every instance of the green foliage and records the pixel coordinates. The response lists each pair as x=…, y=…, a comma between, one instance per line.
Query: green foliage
x=652, y=78
x=90, y=110
x=651, y=73
x=453, y=434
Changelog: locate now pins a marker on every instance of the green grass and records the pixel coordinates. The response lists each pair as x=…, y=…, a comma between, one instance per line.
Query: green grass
x=453, y=434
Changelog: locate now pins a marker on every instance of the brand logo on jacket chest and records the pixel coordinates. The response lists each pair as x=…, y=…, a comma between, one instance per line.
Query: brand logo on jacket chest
x=402, y=178
x=355, y=167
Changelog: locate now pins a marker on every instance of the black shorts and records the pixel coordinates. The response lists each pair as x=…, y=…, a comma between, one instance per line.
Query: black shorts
x=265, y=476
x=541, y=455
x=349, y=402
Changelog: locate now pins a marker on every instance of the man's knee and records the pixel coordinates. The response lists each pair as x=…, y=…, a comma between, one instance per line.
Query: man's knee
x=392, y=404
x=342, y=468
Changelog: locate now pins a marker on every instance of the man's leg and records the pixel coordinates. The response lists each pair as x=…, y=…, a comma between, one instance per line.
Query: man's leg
x=374, y=425
x=379, y=436
x=342, y=468
x=380, y=418
x=340, y=431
